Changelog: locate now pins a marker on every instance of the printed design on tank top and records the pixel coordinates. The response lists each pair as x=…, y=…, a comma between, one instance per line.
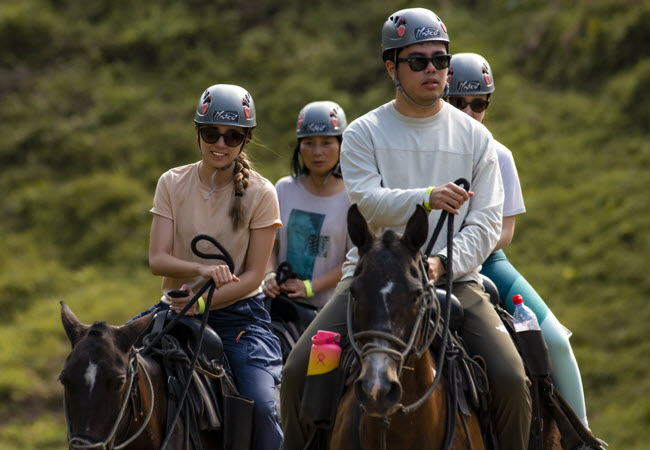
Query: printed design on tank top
x=304, y=241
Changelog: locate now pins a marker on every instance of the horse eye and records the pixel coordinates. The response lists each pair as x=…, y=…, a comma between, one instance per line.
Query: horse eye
x=118, y=382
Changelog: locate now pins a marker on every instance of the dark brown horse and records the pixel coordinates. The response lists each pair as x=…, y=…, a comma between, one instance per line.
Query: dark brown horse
x=115, y=397
x=388, y=325
x=397, y=402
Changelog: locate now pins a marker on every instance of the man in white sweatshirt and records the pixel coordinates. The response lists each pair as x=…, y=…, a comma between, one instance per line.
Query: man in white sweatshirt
x=408, y=152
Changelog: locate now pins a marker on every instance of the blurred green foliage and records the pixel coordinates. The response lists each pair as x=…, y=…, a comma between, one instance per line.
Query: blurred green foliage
x=97, y=99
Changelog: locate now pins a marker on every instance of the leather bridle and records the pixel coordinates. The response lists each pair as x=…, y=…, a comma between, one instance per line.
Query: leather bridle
x=80, y=443
x=424, y=326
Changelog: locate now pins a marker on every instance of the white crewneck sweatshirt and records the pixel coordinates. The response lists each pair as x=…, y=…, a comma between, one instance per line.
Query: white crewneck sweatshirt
x=389, y=160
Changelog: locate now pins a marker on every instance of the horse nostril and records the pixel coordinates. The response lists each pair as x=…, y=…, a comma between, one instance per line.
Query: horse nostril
x=384, y=396
x=359, y=391
x=394, y=393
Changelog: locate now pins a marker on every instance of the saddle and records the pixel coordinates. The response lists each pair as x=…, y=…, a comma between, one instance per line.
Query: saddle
x=213, y=402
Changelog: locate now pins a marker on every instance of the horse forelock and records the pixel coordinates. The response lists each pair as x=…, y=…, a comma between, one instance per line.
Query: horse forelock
x=99, y=329
x=386, y=254
x=97, y=347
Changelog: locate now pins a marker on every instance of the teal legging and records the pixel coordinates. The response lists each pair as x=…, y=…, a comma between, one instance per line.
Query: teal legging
x=565, y=372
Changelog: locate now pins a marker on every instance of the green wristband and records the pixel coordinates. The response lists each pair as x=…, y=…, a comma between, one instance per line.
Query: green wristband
x=308, y=288
x=426, y=197
x=201, y=305
x=443, y=259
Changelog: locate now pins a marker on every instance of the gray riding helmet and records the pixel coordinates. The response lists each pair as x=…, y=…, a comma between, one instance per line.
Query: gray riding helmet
x=469, y=73
x=322, y=118
x=412, y=26
x=226, y=104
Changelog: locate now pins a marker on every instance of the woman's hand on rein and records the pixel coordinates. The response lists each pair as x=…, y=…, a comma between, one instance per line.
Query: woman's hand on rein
x=270, y=287
x=220, y=274
x=295, y=288
x=178, y=303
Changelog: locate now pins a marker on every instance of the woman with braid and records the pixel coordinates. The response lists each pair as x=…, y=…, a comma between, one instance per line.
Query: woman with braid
x=221, y=196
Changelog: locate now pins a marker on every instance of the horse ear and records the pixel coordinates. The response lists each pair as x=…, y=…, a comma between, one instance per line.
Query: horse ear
x=358, y=229
x=73, y=328
x=417, y=229
x=128, y=334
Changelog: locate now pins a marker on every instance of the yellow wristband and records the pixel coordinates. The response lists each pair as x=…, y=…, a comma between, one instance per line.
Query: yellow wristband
x=426, y=197
x=308, y=288
x=201, y=305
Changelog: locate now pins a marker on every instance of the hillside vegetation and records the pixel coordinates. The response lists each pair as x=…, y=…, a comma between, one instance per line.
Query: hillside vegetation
x=97, y=100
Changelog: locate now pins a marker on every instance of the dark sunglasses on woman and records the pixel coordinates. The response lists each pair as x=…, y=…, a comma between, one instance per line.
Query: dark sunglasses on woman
x=477, y=105
x=419, y=63
x=232, y=138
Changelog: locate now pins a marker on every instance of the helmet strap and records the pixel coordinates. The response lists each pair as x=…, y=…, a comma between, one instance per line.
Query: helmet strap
x=228, y=166
x=399, y=87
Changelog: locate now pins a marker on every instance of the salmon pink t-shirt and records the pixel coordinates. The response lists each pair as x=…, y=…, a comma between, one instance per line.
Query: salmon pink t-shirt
x=181, y=197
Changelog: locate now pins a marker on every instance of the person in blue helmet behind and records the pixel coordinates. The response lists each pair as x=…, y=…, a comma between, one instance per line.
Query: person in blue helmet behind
x=471, y=84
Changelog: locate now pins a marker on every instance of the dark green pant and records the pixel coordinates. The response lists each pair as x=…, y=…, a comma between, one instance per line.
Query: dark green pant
x=484, y=335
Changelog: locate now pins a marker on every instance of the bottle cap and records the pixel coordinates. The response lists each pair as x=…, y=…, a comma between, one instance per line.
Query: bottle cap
x=517, y=299
x=325, y=337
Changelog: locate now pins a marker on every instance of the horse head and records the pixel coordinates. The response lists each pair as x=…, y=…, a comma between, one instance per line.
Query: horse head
x=385, y=307
x=97, y=376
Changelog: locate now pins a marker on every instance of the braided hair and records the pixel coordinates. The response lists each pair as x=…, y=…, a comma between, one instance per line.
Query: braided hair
x=242, y=174
x=242, y=171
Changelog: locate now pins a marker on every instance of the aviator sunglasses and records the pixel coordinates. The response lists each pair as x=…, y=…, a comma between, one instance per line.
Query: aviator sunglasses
x=232, y=138
x=419, y=63
x=477, y=105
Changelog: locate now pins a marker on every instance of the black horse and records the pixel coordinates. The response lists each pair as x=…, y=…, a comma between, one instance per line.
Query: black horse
x=114, y=396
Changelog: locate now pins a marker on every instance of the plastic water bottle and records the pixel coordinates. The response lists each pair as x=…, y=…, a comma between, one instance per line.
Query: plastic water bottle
x=530, y=339
x=523, y=317
x=325, y=352
x=319, y=398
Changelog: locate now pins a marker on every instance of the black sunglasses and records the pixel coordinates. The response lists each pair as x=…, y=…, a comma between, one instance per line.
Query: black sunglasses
x=232, y=138
x=419, y=63
x=477, y=105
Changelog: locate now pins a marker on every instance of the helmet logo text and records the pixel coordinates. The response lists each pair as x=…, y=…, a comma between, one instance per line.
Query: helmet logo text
x=316, y=127
x=468, y=86
x=227, y=116
x=426, y=32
